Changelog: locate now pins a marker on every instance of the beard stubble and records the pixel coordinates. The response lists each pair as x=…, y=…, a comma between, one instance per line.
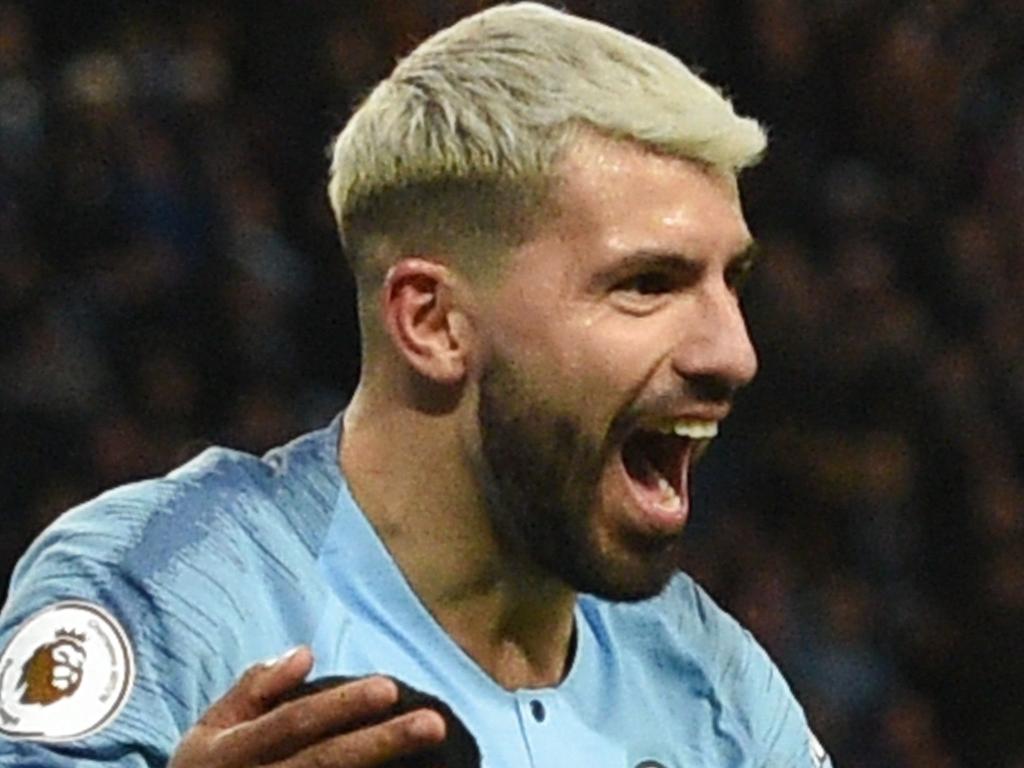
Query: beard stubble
x=542, y=471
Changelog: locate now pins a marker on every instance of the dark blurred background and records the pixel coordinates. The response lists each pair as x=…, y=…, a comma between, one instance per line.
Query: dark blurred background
x=170, y=278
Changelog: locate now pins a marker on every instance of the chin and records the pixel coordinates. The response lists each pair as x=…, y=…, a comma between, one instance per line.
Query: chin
x=638, y=574
x=633, y=590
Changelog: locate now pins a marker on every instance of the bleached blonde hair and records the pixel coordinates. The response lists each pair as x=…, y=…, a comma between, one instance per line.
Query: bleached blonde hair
x=457, y=149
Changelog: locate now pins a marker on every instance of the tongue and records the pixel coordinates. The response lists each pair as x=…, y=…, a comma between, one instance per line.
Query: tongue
x=649, y=456
x=667, y=454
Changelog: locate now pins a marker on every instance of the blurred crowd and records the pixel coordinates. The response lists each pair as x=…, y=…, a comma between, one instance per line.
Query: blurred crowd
x=170, y=278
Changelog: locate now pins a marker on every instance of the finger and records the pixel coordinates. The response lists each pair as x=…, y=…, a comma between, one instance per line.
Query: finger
x=258, y=689
x=376, y=745
x=298, y=724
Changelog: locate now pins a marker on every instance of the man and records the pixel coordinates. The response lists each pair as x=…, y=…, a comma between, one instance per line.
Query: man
x=543, y=217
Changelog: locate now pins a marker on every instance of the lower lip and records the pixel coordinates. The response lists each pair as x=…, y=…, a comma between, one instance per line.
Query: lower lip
x=653, y=518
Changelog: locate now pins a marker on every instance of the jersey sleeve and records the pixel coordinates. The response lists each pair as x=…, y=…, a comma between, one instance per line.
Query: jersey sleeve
x=99, y=666
x=761, y=698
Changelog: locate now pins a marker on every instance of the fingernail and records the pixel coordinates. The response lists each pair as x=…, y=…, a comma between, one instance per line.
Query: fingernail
x=278, y=660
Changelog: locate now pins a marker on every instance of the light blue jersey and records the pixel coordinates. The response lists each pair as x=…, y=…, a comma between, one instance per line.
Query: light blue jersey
x=134, y=612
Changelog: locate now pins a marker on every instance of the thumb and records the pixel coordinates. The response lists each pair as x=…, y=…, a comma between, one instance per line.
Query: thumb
x=259, y=689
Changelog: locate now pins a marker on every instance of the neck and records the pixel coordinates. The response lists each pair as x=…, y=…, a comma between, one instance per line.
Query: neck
x=411, y=476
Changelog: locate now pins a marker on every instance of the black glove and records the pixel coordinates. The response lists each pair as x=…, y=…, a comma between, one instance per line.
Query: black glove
x=458, y=750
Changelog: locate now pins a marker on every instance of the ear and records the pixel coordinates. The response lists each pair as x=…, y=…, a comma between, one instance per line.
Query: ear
x=426, y=326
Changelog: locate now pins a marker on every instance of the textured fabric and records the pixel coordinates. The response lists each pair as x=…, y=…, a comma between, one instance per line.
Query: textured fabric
x=233, y=559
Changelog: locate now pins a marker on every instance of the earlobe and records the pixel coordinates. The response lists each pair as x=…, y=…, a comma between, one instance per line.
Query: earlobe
x=425, y=325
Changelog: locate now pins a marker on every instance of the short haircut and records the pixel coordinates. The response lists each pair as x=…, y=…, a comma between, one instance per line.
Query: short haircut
x=457, y=150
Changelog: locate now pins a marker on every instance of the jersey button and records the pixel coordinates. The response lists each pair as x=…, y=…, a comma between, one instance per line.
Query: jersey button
x=537, y=710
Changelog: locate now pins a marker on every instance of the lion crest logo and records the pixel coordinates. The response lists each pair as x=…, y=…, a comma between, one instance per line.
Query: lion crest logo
x=54, y=671
x=66, y=672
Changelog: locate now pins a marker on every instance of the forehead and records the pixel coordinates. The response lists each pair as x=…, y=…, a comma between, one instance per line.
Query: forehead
x=628, y=197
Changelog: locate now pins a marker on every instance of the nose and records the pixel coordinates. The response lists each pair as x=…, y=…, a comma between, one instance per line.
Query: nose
x=715, y=354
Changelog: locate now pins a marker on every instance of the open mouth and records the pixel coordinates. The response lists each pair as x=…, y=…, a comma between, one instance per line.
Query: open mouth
x=657, y=467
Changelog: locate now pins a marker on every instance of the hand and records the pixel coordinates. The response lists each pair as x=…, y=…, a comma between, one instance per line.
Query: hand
x=338, y=728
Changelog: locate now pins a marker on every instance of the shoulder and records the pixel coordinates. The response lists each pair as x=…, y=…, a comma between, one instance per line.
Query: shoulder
x=685, y=633
x=219, y=512
x=183, y=568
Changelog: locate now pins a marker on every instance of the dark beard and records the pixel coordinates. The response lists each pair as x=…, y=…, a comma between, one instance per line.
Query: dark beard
x=541, y=477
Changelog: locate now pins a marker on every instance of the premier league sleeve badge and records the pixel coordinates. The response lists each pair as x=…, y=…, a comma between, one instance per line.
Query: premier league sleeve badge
x=65, y=674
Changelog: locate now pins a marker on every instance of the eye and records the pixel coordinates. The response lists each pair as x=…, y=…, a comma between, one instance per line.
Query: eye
x=647, y=284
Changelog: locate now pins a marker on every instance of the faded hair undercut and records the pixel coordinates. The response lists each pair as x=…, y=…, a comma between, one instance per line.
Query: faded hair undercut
x=456, y=151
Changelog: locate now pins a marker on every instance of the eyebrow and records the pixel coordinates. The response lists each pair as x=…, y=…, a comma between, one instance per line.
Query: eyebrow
x=674, y=261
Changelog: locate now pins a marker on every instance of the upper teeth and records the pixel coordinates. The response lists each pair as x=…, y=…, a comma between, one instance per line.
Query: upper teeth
x=698, y=430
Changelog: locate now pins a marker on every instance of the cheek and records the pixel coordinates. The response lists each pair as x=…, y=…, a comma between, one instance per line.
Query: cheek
x=619, y=355
x=549, y=354
x=586, y=356
x=583, y=369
